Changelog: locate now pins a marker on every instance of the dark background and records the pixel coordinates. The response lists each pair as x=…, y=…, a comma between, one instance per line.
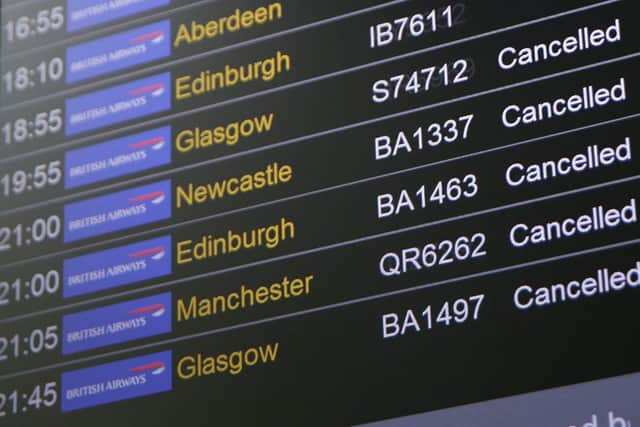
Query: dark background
x=334, y=367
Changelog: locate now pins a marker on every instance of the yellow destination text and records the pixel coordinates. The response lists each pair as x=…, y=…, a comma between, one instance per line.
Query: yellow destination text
x=244, y=298
x=234, y=363
x=210, y=246
x=271, y=176
x=210, y=81
x=230, y=134
x=239, y=20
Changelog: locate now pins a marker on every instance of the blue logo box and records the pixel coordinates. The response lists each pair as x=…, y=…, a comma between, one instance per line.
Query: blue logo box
x=117, y=381
x=116, y=158
x=117, y=267
x=83, y=14
x=118, y=104
x=115, y=324
x=118, y=211
x=118, y=52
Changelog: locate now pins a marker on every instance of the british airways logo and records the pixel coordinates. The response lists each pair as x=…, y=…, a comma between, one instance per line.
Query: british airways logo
x=111, y=268
x=155, y=254
x=82, y=14
x=118, y=157
x=155, y=90
x=119, y=323
x=122, y=380
x=156, y=368
x=156, y=310
x=156, y=144
x=154, y=37
x=157, y=197
x=118, y=211
x=118, y=104
x=118, y=52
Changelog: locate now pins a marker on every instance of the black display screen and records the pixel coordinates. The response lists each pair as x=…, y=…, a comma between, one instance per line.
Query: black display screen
x=319, y=213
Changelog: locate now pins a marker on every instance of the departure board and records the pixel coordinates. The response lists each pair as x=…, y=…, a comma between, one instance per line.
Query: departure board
x=319, y=213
